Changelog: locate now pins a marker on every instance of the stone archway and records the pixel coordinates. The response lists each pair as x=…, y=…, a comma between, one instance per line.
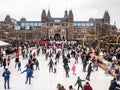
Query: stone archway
x=57, y=36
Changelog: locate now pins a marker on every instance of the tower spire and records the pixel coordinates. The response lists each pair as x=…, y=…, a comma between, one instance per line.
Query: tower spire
x=70, y=13
x=106, y=14
x=106, y=17
x=44, y=13
x=43, y=16
x=66, y=14
x=49, y=14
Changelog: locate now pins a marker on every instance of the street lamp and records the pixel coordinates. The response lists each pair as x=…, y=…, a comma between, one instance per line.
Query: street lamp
x=108, y=34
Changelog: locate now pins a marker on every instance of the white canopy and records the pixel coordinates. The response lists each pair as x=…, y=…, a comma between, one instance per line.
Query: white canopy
x=2, y=43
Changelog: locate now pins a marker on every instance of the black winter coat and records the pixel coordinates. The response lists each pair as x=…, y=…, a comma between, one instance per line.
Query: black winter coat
x=114, y=85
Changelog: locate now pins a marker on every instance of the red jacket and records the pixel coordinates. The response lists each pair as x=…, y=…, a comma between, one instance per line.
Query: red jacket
x=34, y=54
x=87, y=87
x=73, y=68
x=76, y=58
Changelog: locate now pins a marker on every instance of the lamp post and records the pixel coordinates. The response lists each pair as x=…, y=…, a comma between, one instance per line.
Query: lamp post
x=108, y=34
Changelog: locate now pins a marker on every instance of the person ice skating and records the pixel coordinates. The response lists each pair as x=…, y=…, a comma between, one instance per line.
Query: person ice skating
x=60, y=87
x=6, y=75
x=17, y=53
x=65, y=61
x=29, y=74
x=19, y=66
x=71, y=88
x=74, y=69
x=46, y=55
x=55, y=67
x=68, y=56
x=57, y=57
x=8, y=61
x=50, y=65
x=1, y=58
x=79, y=82
x=37, y=65
x=76, y=59
x=34, y=54
x=38, y=51
x=16, y=61
x=87, y=86
x=84, y=64
x=67, y=69
x=89, y=71
x=23, y=53
x=4, y=63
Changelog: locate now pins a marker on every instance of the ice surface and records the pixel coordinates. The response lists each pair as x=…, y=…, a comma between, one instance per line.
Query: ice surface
x=43, y=80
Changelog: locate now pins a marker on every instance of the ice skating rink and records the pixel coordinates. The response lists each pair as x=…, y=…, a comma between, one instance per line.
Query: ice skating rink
x=43, y=80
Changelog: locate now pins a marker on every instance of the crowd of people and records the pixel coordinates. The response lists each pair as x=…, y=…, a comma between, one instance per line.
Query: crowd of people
x=88, y=56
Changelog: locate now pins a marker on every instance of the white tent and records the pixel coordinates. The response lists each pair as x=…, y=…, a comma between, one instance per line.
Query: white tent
x=2, y=43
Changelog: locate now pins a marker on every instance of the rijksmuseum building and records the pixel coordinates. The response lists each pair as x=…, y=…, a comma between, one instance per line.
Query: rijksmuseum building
x=57, y=28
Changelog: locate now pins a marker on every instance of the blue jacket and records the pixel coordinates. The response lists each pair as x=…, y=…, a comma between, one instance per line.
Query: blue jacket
x=6, y=75
x=29, y=72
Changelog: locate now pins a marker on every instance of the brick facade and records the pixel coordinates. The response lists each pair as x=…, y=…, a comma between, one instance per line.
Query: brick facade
x=60, y=28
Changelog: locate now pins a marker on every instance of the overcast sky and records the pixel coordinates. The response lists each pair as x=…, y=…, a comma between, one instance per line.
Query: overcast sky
x=82, y=9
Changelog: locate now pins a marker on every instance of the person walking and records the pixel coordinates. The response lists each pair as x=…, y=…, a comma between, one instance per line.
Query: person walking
x=87, y=86
x=6, y=75
x=29, y=74
x=79, y=82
